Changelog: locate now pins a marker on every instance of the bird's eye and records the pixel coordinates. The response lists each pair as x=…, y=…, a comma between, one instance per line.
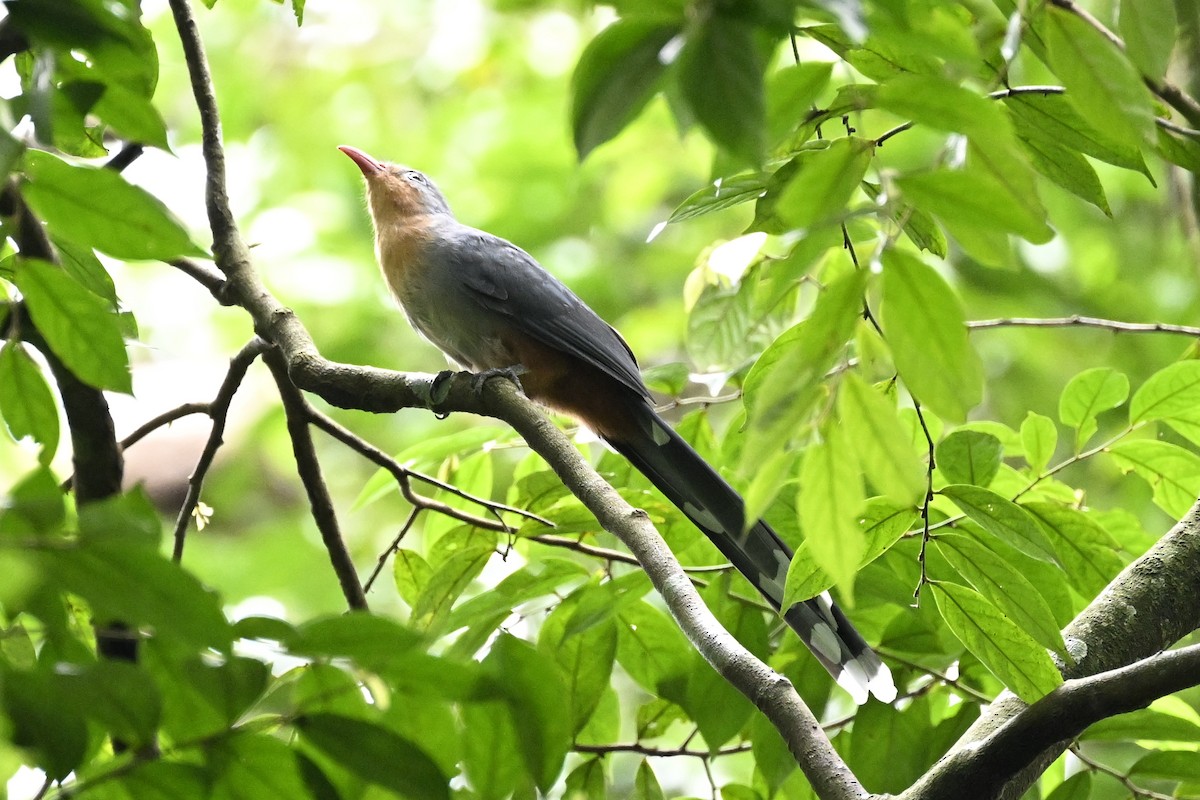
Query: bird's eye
x=417, y=177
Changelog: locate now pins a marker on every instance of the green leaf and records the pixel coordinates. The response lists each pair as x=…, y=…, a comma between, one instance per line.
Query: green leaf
x=617, y=74
x=974, y=199
x=376, y=754
x=586, y=658
x=824, y=182
x=119, y=47
x=587, y=781
x=721, y=194
x=153, y=780
x=1148, y=28
x=371, y=641
x=918, y=226
x=878, y=60
x=1077, y=787
x=53, y=730
x=791, y=89
x=135, y=584
x=1006, y=650
x=450, y=578
x=34, y=506
x=97, y=208
x=545, y=577
x=536, y=696
x=938, y=103
x=26, y=402
x=1068, y=169
x=1051, y=118
x=412, y=574
x=1169, y=765
x=720, y=71
x=882, y=525
x=82, y=330
x=490, y=752
x=1039, y=437
x=787, y=380
x=968, y=456
x=883, y=448
x=1146, y=723
x=1004, y=586
x=1087, y=552
x=831, y=500
x=1101, y=83
x=653, y=651
x=121, y=697
x=645, y=784
x=925, y=327
x=82, y=265
x=1173, y=391
x=132, y=115
x=1003, y=519
x=255, y=766
x=1086, y=395
x=201, y=698
x=1172, y=472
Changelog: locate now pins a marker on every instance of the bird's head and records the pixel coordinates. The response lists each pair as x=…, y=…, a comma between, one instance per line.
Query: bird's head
x=396, y=192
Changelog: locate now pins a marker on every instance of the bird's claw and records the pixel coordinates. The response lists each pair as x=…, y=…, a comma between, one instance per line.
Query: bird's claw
x=512, y=373
x=439, y=390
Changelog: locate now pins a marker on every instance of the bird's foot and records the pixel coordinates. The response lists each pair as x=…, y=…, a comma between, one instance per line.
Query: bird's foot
x=439, y=390
x=512, y=373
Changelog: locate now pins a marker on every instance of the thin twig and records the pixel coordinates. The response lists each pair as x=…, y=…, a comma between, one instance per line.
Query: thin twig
x=609, y=554
x=218, y=410
x=130, y=152
x=958, y=685
x=308, y=467
x=393, y=547
x=163, y=419
x=403, y=478
x=659, y=752
x=1077, y=321
x=207, y=277
x=1126, y=781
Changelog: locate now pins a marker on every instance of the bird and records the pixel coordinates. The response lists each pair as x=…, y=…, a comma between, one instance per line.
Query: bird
x=491, y=308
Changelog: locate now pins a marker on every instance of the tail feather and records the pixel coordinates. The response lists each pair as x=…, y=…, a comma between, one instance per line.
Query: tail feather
x=715, y=508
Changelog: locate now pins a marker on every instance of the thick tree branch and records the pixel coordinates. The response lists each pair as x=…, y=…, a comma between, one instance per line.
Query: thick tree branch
x=1152, y=604
x=1060, y=716
x=296, y=409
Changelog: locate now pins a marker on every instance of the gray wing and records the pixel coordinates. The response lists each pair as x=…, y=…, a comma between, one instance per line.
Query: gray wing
x=506, y=280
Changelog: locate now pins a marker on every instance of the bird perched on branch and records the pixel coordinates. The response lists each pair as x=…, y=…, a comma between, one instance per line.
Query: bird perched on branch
x=490, y=307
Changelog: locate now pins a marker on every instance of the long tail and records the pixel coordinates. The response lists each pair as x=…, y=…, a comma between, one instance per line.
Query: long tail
x=719, y=511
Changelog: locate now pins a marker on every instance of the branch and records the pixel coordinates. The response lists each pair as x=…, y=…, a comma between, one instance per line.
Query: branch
x=983, y=769
x=1153, y=603
x=165, y=418
x=658, y=752
x=1077, y=321
x=218, y=410
x=404, y=475
x=296, y=410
